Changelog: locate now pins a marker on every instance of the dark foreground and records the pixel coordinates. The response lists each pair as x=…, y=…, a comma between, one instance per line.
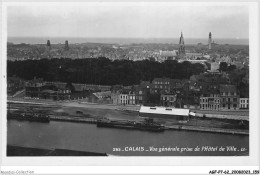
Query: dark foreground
x=27, y=151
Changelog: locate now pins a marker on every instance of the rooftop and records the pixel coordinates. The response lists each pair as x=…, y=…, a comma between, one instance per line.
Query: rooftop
x=165, y=111
x=227, y=88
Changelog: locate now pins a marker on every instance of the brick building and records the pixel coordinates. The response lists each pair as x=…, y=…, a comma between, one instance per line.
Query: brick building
x=229, y=97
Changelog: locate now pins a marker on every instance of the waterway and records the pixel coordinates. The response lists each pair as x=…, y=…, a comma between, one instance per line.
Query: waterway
x=87, y=137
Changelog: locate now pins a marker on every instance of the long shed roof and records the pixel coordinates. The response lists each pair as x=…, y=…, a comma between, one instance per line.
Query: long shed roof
x=165, y=111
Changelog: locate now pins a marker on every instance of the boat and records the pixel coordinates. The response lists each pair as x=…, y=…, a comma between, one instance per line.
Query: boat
x=29, y=117
x=147, y=124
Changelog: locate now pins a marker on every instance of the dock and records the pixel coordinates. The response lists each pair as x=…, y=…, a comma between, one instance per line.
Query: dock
x=204, y=129
x=73, y=119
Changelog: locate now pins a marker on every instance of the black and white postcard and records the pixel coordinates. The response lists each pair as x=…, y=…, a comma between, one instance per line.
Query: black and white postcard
x=130, y=83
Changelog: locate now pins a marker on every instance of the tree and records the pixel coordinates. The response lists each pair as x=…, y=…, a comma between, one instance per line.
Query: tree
x=101, y=70
x=223, y=67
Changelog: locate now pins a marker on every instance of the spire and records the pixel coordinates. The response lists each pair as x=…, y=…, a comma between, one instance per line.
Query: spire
x=181, y=39
x=181, y=45
x=210, y=41
x=48, y=45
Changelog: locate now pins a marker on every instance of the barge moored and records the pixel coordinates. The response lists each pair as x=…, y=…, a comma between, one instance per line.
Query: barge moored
x=29, y=117
x=147, y=124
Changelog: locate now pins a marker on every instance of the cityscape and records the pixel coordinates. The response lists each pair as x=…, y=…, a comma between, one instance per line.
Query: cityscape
x=74, y=98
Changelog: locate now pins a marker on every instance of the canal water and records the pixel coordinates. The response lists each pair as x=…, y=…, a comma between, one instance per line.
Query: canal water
x=87, y=137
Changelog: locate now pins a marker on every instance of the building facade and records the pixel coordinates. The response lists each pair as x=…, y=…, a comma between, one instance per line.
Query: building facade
x=210, y=100
x=214, y=67
x=161, y=85
x=123, y=99
x=229, y=97
x=168, y=99
x=244, y=103
x=115, y=97
x=131, y=98
x=42, y=90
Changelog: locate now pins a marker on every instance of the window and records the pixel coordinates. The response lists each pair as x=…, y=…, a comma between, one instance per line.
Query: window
x=152, y=108
x=234, y=105
x=234, y=99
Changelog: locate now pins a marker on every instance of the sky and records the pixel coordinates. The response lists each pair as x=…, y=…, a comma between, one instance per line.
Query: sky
x=133, y=20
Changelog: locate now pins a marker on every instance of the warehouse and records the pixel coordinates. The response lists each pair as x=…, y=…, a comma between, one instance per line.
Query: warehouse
x=162, y=112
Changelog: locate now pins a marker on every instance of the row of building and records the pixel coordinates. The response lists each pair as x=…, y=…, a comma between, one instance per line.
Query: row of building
x=181, y=93
x=206, y=92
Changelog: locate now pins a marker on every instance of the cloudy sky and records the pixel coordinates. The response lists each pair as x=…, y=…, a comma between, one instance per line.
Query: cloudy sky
x=145, y=20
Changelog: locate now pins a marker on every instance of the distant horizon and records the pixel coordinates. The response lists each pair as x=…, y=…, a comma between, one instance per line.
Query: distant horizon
x=117, y=37
x=122, y=40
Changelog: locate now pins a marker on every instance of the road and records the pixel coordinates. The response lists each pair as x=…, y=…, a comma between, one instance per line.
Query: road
x=243, y=114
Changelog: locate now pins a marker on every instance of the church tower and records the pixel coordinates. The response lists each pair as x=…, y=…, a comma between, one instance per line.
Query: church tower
x=48, y=45
x=66, y=45
x=210, y=40
x=181, y=46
